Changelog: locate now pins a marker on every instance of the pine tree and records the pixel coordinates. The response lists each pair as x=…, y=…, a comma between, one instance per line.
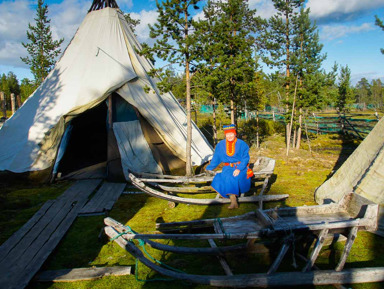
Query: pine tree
x=207, y=80
x=363, y=91
x=379, y=23
x=235, y=63
x=132, y=23
x=42, y=49
x=175, y=44
x=306, y=60
x=377, y=92
x=345, y=97
x=27, y=87
x=277, y=42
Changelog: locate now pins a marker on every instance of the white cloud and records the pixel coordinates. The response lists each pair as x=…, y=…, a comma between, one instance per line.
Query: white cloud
x=16, y=15
x=369, y=75
x=330, y=32
x=264, y=8
x=14, y=20
x=142, y=30
x=66, y=18
x=327, y=8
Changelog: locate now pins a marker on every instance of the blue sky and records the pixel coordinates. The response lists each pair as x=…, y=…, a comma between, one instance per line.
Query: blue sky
x=346, y=29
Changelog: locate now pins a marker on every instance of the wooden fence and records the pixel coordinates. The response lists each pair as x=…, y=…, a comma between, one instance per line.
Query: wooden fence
x=13, y=103
x=358, y=125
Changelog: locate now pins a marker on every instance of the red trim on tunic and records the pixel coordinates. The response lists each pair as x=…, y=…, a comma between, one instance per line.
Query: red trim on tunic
x=230, y=147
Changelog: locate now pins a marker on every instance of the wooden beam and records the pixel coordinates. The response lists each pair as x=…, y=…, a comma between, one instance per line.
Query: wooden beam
x=82, y=274
x=347, y=248
x=316, y=250
x=280, y=256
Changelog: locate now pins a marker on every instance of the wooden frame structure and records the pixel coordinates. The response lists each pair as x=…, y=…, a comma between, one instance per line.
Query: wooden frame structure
x=152, y=184
x=351, y=214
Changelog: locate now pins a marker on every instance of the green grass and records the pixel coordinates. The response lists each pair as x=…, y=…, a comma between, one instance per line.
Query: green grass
x=297, y=175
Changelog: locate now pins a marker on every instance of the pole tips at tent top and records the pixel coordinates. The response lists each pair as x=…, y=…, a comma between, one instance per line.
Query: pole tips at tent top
x=100, y=4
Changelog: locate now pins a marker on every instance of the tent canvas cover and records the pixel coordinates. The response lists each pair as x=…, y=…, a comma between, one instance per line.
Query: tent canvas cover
x=99, y=105
x=362, y=173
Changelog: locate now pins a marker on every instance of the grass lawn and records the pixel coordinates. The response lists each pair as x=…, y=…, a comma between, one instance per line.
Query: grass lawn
x=297, y=175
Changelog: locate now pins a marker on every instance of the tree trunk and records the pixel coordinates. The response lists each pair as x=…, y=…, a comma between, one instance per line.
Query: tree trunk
x=214, y=127
x=3, y=104
x=232, y=110
x=188, y=166
x=257, y=130
x=13, y=103
x=287, y=44
x=298, y=143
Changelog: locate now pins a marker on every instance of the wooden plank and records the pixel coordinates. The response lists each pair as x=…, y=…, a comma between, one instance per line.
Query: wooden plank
x=222, y=260
x=280, y=256
x=186, y=190
x=265, y=183
x=48, y=223
x=317, y=277
x=11, y=242
x=263, y=218
x=316, y=250
x=177, y=249
x=27, y=257
x=30, y=269
x=104, y=198
x=347, y=248
x=118, y=190
x=82, y=274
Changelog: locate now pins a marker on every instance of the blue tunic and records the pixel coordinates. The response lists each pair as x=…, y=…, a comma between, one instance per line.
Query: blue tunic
x=225, y=183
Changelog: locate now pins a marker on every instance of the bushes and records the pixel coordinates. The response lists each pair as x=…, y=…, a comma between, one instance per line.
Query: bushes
x=248, y=129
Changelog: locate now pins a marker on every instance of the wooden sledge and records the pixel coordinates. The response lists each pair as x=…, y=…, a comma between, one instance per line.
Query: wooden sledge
x=150, y=190
x=153, y=185
x=284, y=225
x=263, y=168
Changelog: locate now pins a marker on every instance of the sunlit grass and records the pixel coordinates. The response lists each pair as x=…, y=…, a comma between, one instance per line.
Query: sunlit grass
x=298, y=175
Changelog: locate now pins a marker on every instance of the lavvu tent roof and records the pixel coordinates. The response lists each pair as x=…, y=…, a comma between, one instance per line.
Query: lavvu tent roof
x=100, y=59
x=362, y=173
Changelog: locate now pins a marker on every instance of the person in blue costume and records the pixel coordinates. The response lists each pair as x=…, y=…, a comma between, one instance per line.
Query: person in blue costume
x=235, y=177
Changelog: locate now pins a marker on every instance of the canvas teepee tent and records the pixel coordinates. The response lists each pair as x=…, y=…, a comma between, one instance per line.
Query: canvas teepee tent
x=362, y=173
x=94, y=107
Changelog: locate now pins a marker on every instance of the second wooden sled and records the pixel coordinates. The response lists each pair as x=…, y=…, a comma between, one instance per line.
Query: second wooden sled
x=351, y=214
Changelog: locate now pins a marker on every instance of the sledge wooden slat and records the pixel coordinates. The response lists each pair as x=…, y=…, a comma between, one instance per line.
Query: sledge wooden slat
x=104, y=199
x=82, y=274
x=186, y=190
x=222, y=260
x=279, y=257
x=176, y=249
x=347, y=248
x=316, y=250
x=30, y=252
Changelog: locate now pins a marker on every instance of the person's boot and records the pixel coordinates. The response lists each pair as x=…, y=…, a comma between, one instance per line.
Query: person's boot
x=234, y=204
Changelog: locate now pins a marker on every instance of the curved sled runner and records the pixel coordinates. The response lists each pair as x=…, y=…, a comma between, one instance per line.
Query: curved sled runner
x=287, y=225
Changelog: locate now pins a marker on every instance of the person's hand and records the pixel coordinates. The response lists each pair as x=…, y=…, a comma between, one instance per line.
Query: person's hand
x=236, y=172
